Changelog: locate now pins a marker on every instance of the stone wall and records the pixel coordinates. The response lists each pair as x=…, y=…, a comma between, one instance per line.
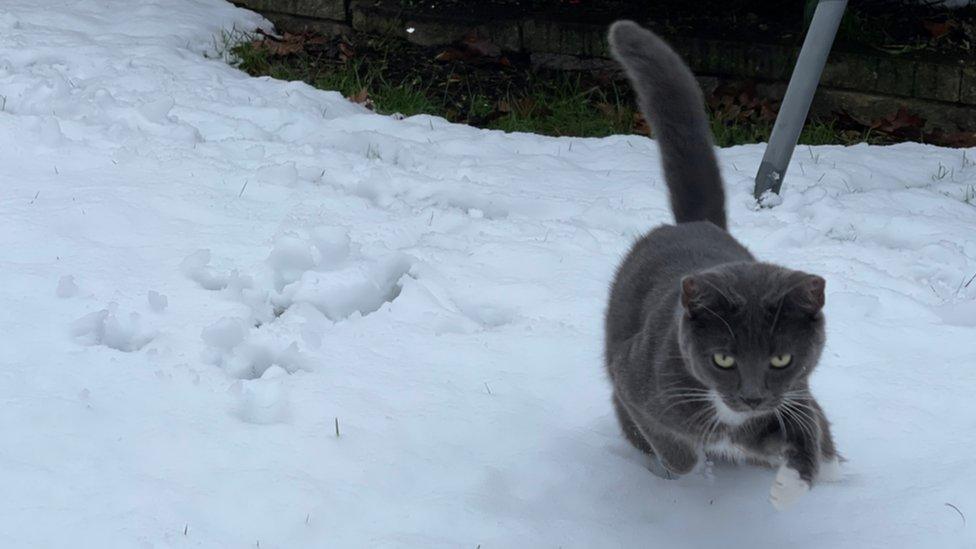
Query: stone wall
x=865, y=85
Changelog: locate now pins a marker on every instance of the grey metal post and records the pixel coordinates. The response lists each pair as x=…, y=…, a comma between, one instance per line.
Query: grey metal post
x=799, y=95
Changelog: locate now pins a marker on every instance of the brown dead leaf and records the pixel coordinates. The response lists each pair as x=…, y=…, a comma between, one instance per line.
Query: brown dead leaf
x=846, y=120
x=310, y=42
x=954, y=139
x=283, y=48
x=767, y=111
x=525, y=104
x=606, y=109
x=287, y=44
x=450, y=54
x=900, y=124
x=362, y=97
x=480, y=46
x=640, y=125
x=938, y=29
x=473, y=48
x=315, y=39
x=346, y=51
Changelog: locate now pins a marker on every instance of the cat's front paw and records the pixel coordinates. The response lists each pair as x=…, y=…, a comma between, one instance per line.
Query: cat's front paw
x=787, y=488
x=679, y=459
x=655, y=466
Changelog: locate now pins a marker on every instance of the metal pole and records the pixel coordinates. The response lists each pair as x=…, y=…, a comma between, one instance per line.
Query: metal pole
x=799, y=95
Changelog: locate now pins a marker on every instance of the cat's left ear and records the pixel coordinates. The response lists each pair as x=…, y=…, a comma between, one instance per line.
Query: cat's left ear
x=691, y=295
x=689, y=290
x=808, y=295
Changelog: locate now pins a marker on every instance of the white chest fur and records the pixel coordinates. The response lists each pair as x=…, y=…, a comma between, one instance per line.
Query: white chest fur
x=726, y=415
x=725, y=449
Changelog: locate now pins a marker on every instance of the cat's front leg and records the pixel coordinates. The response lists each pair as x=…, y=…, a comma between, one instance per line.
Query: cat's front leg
x=671, y=456
x=677, y=456
x=799, y=468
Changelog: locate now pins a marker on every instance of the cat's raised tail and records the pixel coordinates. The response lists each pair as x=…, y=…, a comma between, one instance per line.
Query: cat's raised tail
x=671, y=100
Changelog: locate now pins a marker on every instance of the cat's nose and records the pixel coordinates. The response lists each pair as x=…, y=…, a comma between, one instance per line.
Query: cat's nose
x=752, y=402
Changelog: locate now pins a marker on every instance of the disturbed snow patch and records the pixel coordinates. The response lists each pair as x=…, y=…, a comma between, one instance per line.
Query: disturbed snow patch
x=316, y=278
x=105, y=327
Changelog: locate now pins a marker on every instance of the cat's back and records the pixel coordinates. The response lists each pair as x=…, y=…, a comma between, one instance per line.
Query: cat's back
x=650, y=274
x=699, y=245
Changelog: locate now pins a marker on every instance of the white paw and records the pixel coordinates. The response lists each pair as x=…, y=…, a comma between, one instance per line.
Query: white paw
x=787, y=488
x=830, y=471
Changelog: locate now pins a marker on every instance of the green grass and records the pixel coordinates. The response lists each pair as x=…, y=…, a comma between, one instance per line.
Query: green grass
x=815, y=132
x=548, y=103
x=564, y=106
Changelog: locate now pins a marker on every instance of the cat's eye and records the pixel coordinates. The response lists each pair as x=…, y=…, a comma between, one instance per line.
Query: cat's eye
x=781, y=361
x=723, y=361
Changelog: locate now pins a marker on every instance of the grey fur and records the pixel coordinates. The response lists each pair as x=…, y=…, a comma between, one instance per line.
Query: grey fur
x=687, y=291
x=671, y=101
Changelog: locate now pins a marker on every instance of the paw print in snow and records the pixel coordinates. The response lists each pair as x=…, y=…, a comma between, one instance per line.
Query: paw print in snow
x=263, y=401
x=321, y=271
x=107, y=327
x=66, y=287
x=247, y=353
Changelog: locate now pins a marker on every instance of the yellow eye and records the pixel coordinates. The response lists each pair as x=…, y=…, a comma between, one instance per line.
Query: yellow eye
x=723, y=361
x=781, y=361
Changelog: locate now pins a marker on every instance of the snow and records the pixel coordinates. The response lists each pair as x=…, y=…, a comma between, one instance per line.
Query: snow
x=157, y=301
x=240, y=311
x=67, y=286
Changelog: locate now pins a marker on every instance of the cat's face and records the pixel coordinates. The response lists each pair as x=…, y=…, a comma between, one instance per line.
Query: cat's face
x=753, y=332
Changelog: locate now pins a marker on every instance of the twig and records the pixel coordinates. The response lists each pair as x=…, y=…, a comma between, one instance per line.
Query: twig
x=337, y=427
x=488, y=388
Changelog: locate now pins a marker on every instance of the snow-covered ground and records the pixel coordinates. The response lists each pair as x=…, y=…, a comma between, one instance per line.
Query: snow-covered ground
x=242, y=312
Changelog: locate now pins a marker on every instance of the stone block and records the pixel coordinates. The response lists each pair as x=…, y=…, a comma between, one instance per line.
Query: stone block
x=430, y=30
x=895, y=77
x=321, y=9
x=851, y=71
x=967, y=89
x=294, y=23
x=540, y=36
x=937, y=81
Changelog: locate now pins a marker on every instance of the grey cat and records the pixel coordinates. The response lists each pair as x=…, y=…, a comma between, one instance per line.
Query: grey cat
x=709, y=351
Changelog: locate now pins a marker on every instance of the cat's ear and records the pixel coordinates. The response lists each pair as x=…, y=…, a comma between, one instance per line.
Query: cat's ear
x=808, y=295
x=690, y=294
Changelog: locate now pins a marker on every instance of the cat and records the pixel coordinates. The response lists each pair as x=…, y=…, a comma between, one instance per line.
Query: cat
x=708, y=350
